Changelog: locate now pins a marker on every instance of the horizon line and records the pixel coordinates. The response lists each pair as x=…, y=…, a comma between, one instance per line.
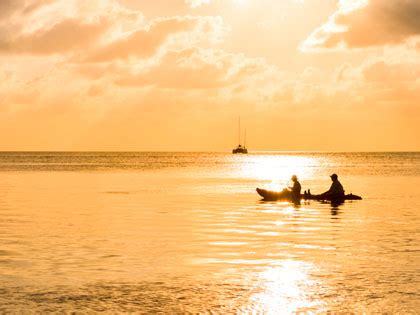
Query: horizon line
x=210, y=151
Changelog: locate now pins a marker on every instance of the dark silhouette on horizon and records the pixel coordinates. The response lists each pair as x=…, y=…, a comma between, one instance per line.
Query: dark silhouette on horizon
x=240, y=149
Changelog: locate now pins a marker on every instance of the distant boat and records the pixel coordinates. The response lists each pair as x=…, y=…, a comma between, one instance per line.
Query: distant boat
x=240, y=149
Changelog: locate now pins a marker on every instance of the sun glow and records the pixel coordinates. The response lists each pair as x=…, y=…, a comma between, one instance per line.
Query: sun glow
x=241, y=2
x=278, y=169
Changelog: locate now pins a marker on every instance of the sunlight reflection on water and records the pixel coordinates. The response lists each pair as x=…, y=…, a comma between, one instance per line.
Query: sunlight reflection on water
x=278, y=169
x=284, y=289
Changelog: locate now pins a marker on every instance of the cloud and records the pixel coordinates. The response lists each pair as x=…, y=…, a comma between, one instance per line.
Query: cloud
x=98, y=30
x=363, y=23
x=67, y=35
x=22, y=7
x=197, y=69
x=7, y=7
x=47, y=27
x=387, y=83
x=196, y=3
x=402, y=73
x=188, y=69
x=145, y=42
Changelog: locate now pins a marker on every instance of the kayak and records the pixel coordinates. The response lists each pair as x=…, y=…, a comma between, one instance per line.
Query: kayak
x=286, y=195
x=269, y=195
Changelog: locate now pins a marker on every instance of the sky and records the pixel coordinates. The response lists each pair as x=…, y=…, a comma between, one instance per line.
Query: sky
x=175, y=75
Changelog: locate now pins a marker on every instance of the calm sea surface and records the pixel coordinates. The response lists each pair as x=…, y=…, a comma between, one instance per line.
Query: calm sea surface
x=186, y=233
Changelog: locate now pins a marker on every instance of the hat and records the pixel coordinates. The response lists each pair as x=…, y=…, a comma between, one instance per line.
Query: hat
x=294, y=177
x=334, y=176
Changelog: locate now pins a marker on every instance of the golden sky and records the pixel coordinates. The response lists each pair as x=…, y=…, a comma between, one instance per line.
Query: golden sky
x=157, y=75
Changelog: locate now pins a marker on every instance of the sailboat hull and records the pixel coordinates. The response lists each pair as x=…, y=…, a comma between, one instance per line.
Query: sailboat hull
x=240, y=151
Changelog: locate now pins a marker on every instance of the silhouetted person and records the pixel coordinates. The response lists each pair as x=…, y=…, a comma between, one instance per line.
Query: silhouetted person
x=336, y=190
x=295, y=189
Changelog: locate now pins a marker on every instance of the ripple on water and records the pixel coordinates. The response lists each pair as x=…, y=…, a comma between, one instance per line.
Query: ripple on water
x=144, y=298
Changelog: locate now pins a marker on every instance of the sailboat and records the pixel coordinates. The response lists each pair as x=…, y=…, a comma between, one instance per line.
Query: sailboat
x=240, y=149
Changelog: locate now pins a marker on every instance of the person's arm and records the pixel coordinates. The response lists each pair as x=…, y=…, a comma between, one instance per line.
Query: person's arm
x=329, y=190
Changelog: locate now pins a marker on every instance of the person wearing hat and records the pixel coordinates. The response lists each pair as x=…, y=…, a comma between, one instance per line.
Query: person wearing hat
x=295, y=189
x=336, y=188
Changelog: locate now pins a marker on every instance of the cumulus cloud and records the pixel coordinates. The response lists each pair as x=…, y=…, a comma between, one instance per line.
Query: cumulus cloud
x=98, y=30
x=46, y=27
x=64, y=36
x=197, y=69
x=196, y=3
x=9, y=8
x=145, y=42
x=381, y=71
x=366, y=23
x=103, y=41
x=186, y=69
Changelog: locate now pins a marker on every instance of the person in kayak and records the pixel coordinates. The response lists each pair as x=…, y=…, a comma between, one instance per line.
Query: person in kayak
x=295, y=189
x=336, y=189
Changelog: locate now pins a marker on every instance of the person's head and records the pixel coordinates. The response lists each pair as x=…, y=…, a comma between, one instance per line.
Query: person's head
x=334, y=177
x=294, y=178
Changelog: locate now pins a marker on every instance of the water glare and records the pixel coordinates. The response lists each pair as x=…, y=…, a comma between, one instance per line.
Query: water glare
x=284, y=289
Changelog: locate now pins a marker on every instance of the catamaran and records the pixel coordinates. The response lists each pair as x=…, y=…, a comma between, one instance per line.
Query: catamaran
x=240, y=149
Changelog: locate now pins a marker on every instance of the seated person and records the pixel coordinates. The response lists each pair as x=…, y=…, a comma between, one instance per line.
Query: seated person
x=336, y=188
x=295, y=189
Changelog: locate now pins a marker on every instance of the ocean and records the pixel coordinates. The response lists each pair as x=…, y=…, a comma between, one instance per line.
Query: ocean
x=177, y=233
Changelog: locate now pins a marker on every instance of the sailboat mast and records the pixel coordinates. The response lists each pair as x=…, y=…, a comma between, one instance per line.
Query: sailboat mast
x=245, y=139
x=239, y=130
